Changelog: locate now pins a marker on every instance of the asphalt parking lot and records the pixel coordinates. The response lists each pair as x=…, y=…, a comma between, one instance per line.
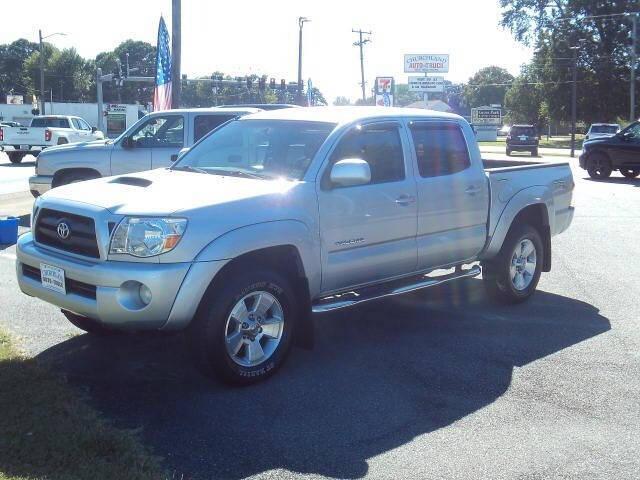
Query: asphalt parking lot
x=436, y=384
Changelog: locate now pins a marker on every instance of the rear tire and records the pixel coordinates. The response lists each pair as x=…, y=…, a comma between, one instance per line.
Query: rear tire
x=512, y=277
x=15, y=157
x=228, y=335
x=630, y=172
x=89, y=325
x=599, y=166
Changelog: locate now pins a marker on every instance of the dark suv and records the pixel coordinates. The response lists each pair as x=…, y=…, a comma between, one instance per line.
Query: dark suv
x=601, y=156
x=523, y=138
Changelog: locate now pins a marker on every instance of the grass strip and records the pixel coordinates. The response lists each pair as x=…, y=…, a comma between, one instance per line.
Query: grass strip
x=48, y=432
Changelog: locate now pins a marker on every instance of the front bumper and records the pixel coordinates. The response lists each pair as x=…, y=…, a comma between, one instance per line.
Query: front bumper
x=176, y=288
x=38, y=184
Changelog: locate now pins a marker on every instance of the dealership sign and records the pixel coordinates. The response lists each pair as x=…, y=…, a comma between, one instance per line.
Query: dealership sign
x=486, y=116
x=426, y=84
x=429, y=63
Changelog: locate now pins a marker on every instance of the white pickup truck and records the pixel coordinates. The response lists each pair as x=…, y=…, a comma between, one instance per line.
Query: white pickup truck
x=281, y=214
x=152, y=142
x=46, y=131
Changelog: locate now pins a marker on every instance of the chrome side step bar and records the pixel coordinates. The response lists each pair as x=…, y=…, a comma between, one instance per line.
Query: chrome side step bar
x=351, y=298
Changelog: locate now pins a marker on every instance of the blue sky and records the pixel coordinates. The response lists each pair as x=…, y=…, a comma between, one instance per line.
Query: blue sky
x=259, y=37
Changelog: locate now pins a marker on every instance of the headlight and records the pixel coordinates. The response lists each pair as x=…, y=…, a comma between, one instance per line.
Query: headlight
x=146, y=237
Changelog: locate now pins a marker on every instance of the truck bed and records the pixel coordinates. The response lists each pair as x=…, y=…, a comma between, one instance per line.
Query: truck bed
x=507, y=178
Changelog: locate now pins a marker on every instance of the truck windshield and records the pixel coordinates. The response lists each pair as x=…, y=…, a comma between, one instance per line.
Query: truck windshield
x=258, y=148
x=50, y=122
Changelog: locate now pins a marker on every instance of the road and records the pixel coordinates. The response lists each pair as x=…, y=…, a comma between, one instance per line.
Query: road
x=436, y=384
x=15, y=178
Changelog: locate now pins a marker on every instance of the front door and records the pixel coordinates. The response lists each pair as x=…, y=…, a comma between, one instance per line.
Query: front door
x=626, y=150
x=367, y=232
x=453, y=195
x=135, y=154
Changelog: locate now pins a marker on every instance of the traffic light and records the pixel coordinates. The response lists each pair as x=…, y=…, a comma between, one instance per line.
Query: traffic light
x=249, y=82
x=262, y=83
x=283, y=84
x=272, y=83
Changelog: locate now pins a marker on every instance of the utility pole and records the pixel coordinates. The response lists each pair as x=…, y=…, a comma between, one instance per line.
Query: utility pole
x=634, y=64
x=61, y=90
x=360, y=43
x=41, y=62
x=176, y=77
x=301, y=22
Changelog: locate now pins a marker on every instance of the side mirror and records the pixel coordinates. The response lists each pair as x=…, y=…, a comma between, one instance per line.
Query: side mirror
x=350, y=172
x=94, y=129
x=627, y=136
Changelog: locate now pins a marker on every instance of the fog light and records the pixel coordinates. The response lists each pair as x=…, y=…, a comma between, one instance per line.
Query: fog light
x=145, y=294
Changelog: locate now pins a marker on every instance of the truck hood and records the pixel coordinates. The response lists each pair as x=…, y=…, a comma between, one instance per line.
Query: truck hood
x=169, y=192
x=80, y=146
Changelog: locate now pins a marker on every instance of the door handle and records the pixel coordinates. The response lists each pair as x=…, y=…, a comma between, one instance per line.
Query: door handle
x=472, y=190
x=405, y=200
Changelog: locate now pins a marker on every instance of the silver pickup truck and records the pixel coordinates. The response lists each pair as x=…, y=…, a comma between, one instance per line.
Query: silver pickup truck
x=281, y=214
x=153, y=142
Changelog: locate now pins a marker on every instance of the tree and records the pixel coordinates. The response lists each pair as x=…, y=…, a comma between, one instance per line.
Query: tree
x=524, y=99
x=488, y=86
x=12, y=73
x=341, y=101
x=603, y=37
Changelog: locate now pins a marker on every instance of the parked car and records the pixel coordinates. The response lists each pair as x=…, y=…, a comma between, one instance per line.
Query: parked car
x=152, y=142
x=504, y=131
x=523, y=138
x=44, y=132
x=601, y=156
x=281, y=214
x=598, y=130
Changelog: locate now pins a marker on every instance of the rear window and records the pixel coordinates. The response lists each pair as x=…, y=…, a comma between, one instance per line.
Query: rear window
x=50, y=122
x=604, y=129
x=528, y=131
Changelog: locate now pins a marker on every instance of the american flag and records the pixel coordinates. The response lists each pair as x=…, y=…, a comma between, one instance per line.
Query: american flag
x=162, y=94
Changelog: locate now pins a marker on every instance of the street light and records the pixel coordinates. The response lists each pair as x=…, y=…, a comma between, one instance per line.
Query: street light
x=42, y=66
x=301, y=21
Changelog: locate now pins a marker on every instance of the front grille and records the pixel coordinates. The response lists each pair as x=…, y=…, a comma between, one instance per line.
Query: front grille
x=73, y=286
x=82, y=232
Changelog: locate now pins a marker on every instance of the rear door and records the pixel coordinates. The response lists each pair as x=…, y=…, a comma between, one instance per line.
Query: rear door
x=453, y=195
x=367, y=232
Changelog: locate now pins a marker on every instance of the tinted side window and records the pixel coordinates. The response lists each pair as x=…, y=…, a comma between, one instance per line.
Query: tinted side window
x=203, y=124
x=76, y=124
x=84, y=125
x=440, y=149
x=380, y=147
x=160, y=132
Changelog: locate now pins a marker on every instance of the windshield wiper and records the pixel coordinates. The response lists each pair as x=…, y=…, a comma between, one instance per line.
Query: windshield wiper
x=189, y=168
x=240, y=173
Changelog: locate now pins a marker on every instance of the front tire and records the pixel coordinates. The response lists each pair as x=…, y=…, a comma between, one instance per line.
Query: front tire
x=534, y=152
x=512, y=277
x=243, y=331
x=630, y=172
x=599, y=166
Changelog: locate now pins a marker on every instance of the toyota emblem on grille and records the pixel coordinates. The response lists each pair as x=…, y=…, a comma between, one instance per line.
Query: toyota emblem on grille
x=63, y=230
